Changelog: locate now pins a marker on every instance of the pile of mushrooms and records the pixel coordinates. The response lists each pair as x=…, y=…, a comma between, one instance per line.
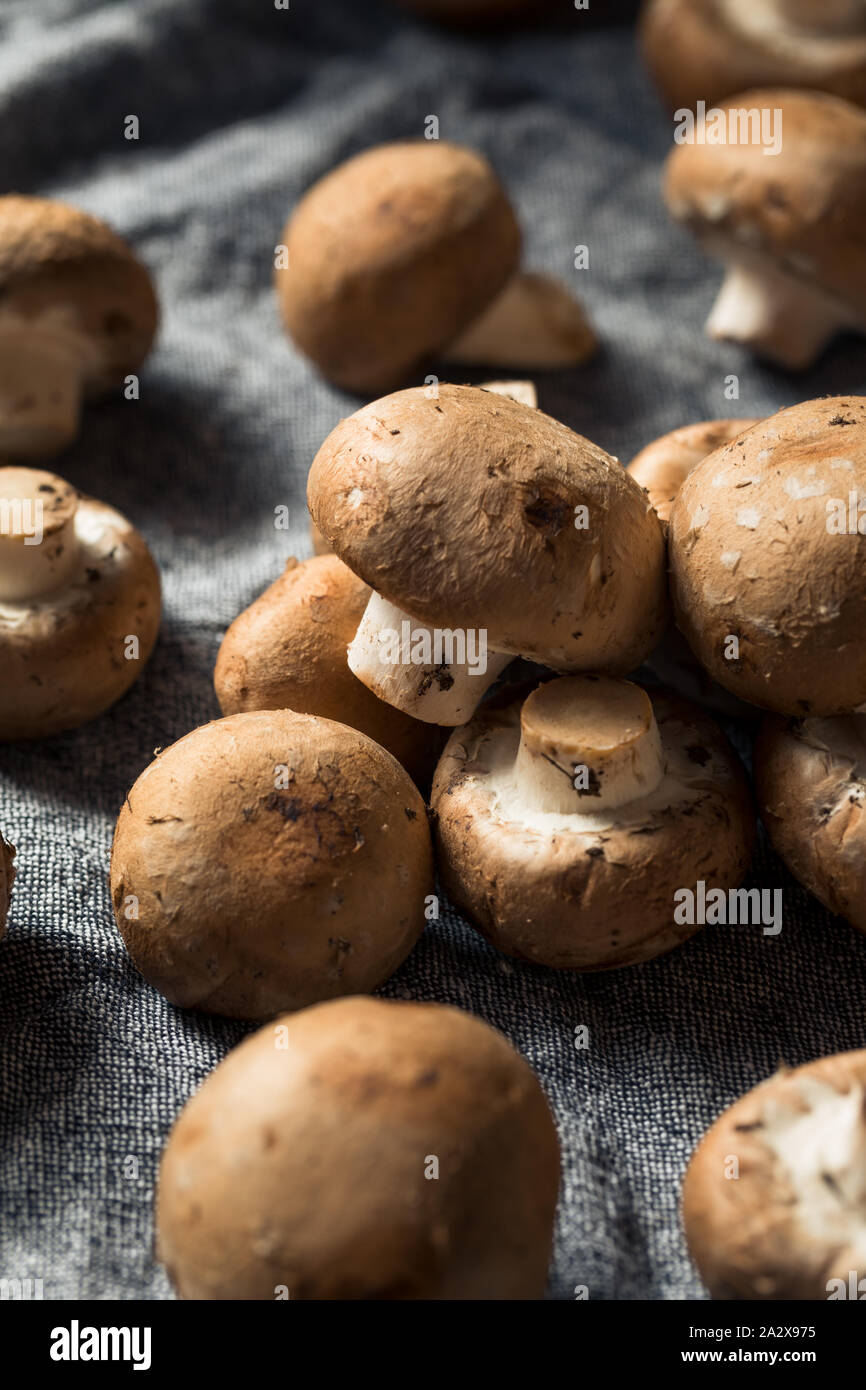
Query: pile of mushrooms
x=706, y=50
x=786, y=227
x=7, y=878
x=362, y=1149
x=774, y=1200
x=79, y=314
x=79, y=605
x=409, y=251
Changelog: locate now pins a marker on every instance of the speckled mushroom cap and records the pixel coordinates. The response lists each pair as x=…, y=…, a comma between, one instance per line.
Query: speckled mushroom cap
x=791, y=1217
x=288, y=651
x=803, y=207
x=705, y=50
x=273, y=859
x=390, y=256
x=588, y=890
x=460, y=509
x=7, y=876
x=69, y=651
x=663, y=466
x=810, y=778
x=753, y=555
x=70, y=288
x=308, y=1166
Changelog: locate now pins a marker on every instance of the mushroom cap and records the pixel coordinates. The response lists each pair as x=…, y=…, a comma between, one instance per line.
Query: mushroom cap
x=7, y=876
x=663, y=466
x=57, y=260
x=804, y=207
x=255, y=848
x=589, y=892
x=307, y=1165
x=460, y=509
x=288, y=651
x=793, y=1218
x=63, y=654
x=751, y=556
x=390, y=256
x=711, y=49
x=810, y=779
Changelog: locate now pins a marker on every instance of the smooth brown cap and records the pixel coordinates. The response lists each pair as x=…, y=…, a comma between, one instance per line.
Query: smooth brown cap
x=288, y=651
x=390, y=256
x=55, y=257
x=804, y=207
x=272, y=859
x=460, y=507
x=392, y=1151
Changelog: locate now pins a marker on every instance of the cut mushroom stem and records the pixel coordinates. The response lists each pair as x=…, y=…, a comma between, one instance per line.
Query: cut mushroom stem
x=41, y=374
x=536, y=322
x=776, y=314
x=38, y=542
x=438, y=675
x=587, y=744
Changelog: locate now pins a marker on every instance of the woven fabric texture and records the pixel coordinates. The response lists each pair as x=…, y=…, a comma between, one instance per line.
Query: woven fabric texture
x=241, y=106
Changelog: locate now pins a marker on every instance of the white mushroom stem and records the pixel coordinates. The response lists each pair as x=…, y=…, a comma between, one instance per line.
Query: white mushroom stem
x=776, y=314
x=41, y=375
x=38, y=543
x=535, y=323
x=587, y=744
x=438, y=675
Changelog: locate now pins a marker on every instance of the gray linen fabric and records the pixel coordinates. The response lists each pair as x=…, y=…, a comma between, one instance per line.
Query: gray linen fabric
x=241, y=107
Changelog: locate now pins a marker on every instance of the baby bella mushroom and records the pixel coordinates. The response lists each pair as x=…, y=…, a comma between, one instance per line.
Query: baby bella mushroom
x=705, y=50
x=567, y=824
x=7, y=878
x=810, y=778
x=79, y=314
x=486, y=530
x=786, y=221
x=79, y=605
x=270, y=860
x=411, y=250
x=362, y=1149
x=774, y=1200
x=663, y=466
x=288, y=651
x=769, y=585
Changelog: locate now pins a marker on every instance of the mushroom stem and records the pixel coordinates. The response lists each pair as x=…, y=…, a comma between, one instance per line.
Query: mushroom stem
x=438, y=675
x=38, y=542
x=41, y=372
x=776, y=314
x=535, y=322
x=587, y=744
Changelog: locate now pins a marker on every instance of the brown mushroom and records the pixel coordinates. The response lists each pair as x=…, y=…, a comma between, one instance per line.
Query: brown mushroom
x=706, y=50
x=810, y=778
x=270, y=860
x=567, y=823
x=663, y=466
x=7, y=878
x=768, y=591
x=79, y=605
x=486, y=530
x=774, y=1200
x=79, y=314
x=288, y=651
x=787, y=228
x=362, y=1149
